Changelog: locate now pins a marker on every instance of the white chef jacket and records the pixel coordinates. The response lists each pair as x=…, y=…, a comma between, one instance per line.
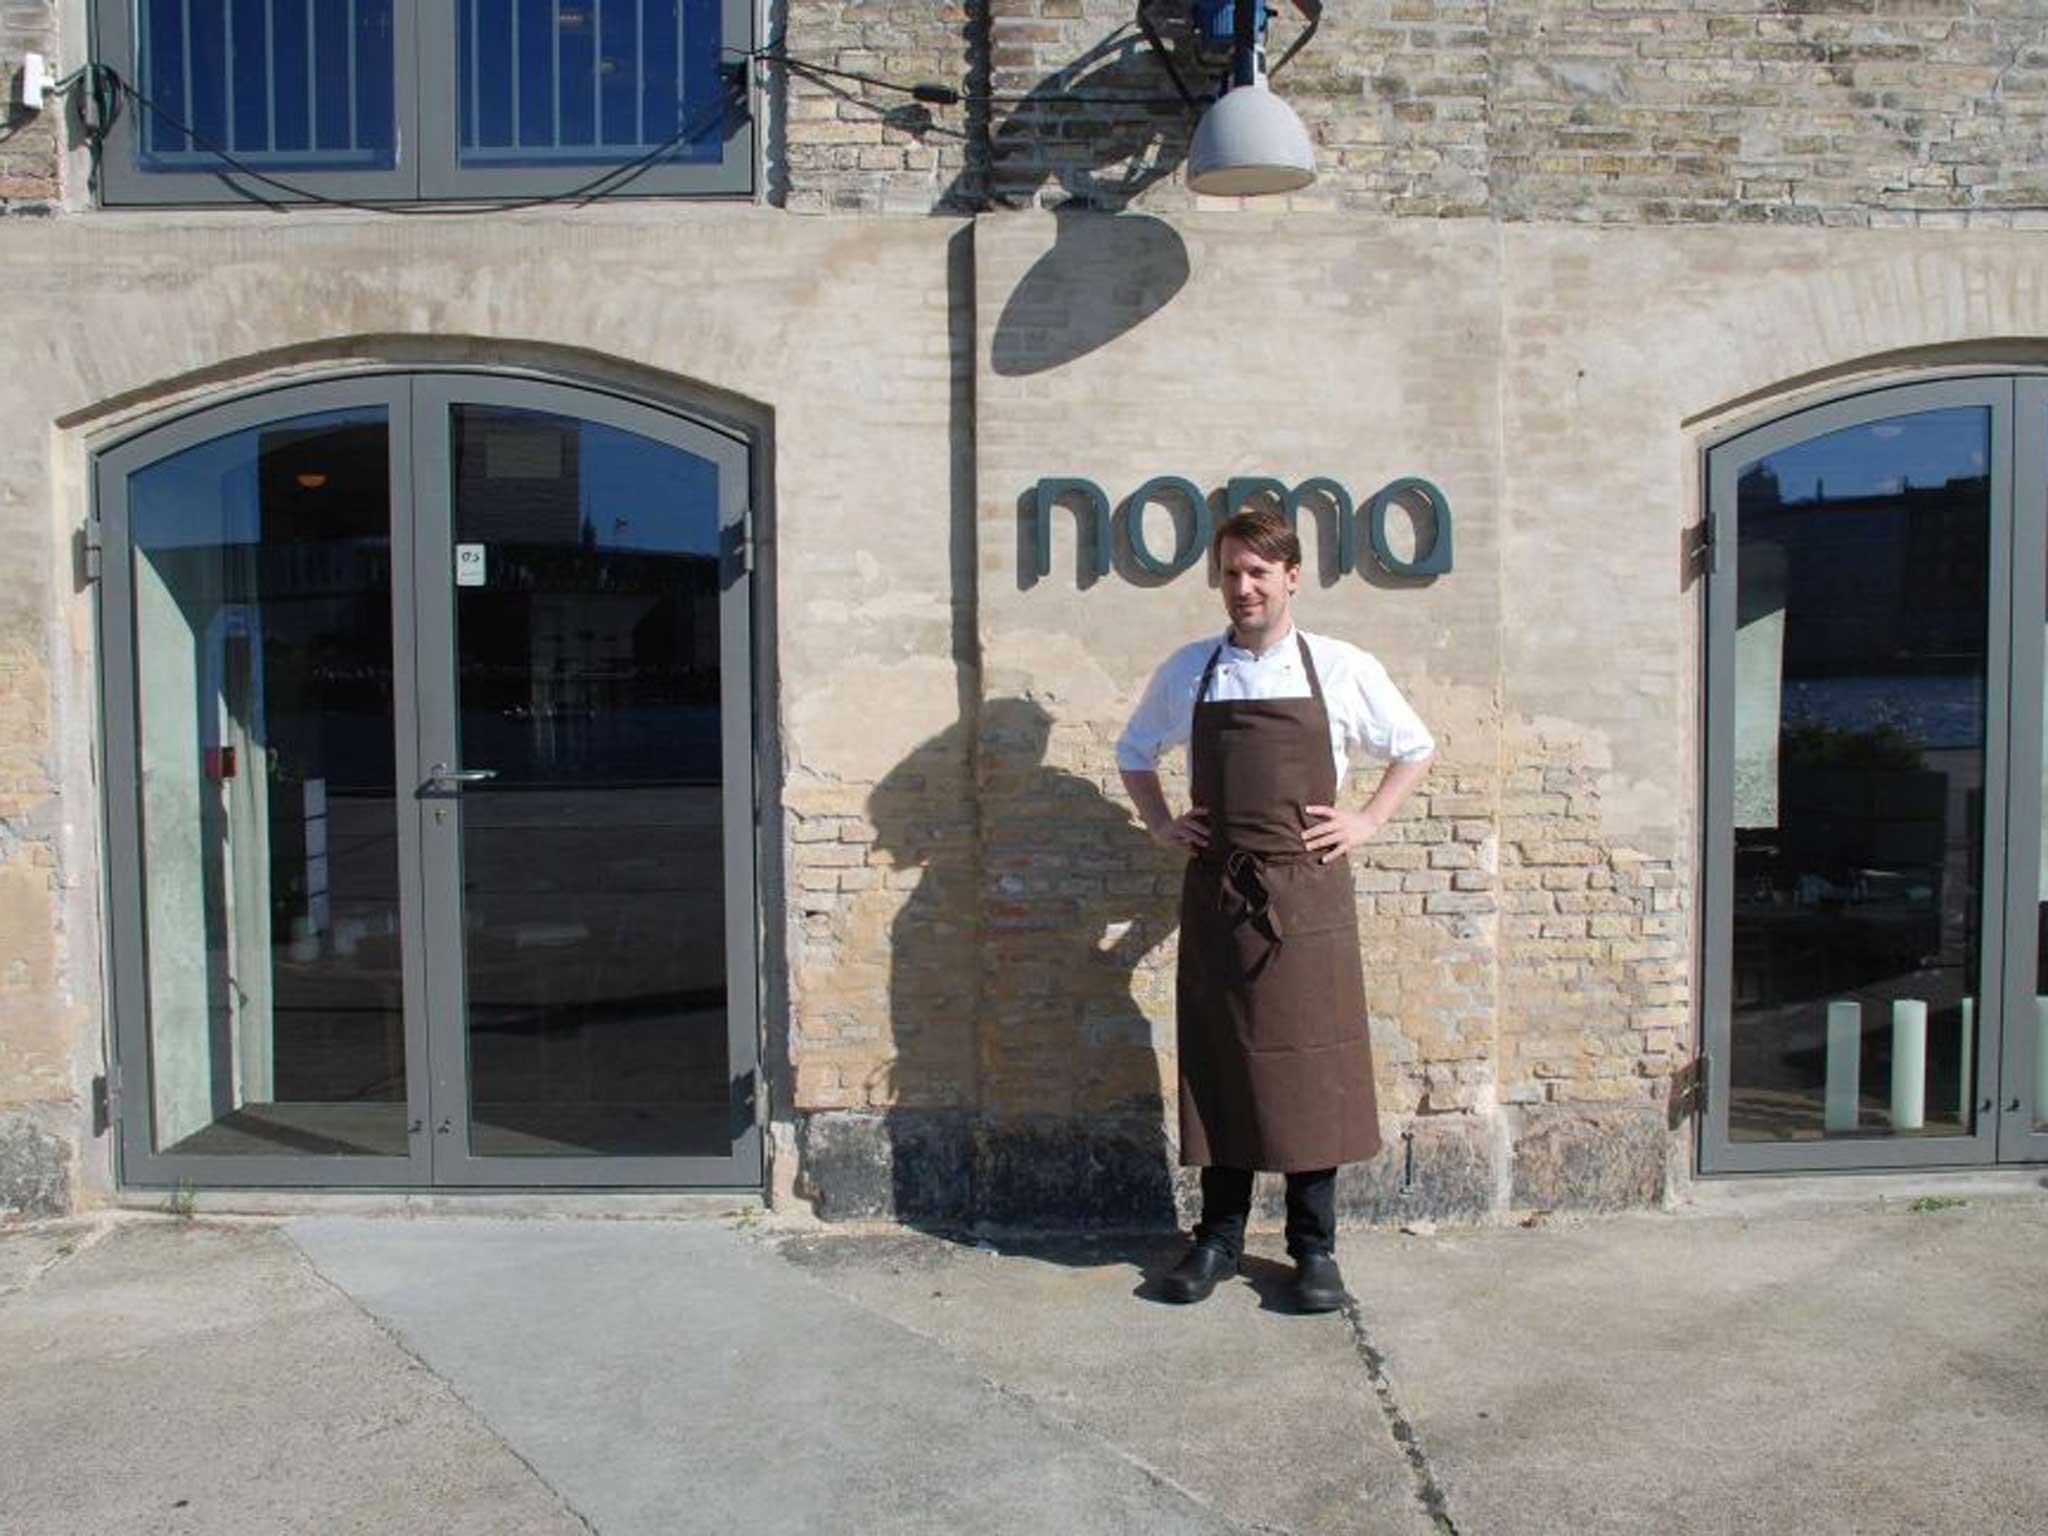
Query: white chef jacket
x=1367, y=713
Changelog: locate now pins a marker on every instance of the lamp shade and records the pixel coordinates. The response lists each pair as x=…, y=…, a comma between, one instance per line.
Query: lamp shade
x=1248, y=144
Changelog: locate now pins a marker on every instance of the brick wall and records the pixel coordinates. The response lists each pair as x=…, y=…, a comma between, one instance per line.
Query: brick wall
x=848, y=146
x=29, y=150
x=1821, y=112
x=1595, y=984
x=1838, y=112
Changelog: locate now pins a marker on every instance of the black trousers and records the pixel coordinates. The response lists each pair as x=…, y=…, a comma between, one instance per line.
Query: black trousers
x=1311, y=1210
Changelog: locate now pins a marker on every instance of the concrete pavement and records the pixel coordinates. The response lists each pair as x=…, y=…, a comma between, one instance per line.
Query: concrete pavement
x=1843, y=1365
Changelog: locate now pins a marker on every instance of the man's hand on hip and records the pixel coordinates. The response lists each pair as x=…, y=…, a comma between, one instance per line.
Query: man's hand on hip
x=1187, y=833
x=1333, y=833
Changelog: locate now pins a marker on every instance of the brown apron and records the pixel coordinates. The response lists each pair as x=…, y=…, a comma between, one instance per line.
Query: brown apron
x=1275, y=1061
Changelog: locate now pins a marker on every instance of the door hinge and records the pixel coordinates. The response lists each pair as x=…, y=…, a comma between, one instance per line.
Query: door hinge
x=743, y=1107
x=90, y=550
x=747, y=542
x=106, y=1100
x=1694, y=1091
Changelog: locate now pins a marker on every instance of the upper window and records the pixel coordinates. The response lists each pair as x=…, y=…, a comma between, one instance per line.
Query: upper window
x=424, y=100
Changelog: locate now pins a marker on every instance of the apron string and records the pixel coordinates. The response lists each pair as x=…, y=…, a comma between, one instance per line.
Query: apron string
x=1315, y=683
x=1208, y=672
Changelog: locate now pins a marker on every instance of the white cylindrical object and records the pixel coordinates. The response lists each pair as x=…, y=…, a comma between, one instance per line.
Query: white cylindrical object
x=1845, y=1065
x=35, y=80
x=2040, y=1060
x=1248, y=144
x=1966, y=1073
x=1909, y=1063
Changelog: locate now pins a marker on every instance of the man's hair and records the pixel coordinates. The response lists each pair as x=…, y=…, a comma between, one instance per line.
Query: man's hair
x=1264, y=532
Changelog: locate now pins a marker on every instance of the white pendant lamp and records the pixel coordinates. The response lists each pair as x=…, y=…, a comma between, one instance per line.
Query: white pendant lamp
x=1250, y=142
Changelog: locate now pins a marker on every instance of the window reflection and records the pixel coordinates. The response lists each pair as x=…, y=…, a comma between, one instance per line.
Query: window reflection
x=593, y=877
x=262, y=609
x=1858, y=785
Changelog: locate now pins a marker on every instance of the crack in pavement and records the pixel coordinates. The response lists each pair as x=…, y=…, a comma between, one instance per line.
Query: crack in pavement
x=1429, y=1493
x=89, y=1231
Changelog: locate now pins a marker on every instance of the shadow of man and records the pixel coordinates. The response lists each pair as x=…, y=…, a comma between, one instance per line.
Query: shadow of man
x=1027, y=971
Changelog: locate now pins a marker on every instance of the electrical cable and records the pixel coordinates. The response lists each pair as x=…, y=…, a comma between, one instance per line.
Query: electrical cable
x=107, y=88
x=107, y=83
x=935, y=94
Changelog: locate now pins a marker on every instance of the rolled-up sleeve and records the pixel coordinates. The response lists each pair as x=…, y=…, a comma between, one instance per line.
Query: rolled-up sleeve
x=1385, y=725
x=1159, y=723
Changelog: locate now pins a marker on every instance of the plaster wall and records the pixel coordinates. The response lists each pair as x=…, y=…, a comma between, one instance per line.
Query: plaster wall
x=829, y=341
x=969, y=944
x=1530, y=923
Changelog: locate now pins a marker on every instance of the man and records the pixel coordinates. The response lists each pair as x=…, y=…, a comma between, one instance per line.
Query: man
x=1275, y=1062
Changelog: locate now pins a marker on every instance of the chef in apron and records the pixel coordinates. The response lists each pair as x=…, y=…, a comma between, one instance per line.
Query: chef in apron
x=1275, y=1061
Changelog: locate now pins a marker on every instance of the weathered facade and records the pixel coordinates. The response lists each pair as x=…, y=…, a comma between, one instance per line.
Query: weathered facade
x=1553, y=255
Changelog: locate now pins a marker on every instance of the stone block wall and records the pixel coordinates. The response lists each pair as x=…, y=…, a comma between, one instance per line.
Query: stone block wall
x=39, y=1091
x=1835, y=112
x=1824, y=112
x=29, y=146
x=846, y=145
x=1596, y=981
x=977, y=947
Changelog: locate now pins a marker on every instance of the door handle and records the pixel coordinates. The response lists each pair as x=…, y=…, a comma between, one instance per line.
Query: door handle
x=443, y=775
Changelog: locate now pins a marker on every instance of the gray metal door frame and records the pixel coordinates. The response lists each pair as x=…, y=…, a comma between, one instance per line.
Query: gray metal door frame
x=434, y=397
x=2016, y=1103
x=422, y=587
x=2009, y=678
x=140, y=1163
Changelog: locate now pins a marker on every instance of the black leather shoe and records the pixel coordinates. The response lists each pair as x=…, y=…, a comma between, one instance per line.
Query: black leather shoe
x=1318, y=1284
x=1195, y=1276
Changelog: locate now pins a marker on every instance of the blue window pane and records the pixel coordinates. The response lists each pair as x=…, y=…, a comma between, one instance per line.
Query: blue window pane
x=163, y=74
x=279, y=84
x=291, y=63
x=533, y=42
x=617, y=70
x=589, y=82
x=247, y=67
x=205, y=79
x=376, y=83
x=576, y=74
x=661, y=84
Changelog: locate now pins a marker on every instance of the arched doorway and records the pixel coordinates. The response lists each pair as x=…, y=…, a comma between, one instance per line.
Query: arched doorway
x=429, y=761
x=1875, y=982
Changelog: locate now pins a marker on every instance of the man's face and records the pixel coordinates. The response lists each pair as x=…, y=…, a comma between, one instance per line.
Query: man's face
x=1256, y=592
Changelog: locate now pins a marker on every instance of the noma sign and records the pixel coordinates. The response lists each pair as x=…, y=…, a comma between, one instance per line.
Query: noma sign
x=1098, y=526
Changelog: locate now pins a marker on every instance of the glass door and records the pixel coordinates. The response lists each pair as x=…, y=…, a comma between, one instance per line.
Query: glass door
x=430, y=790
x=1874, y=875
x=586, y=726
x=259, y=768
